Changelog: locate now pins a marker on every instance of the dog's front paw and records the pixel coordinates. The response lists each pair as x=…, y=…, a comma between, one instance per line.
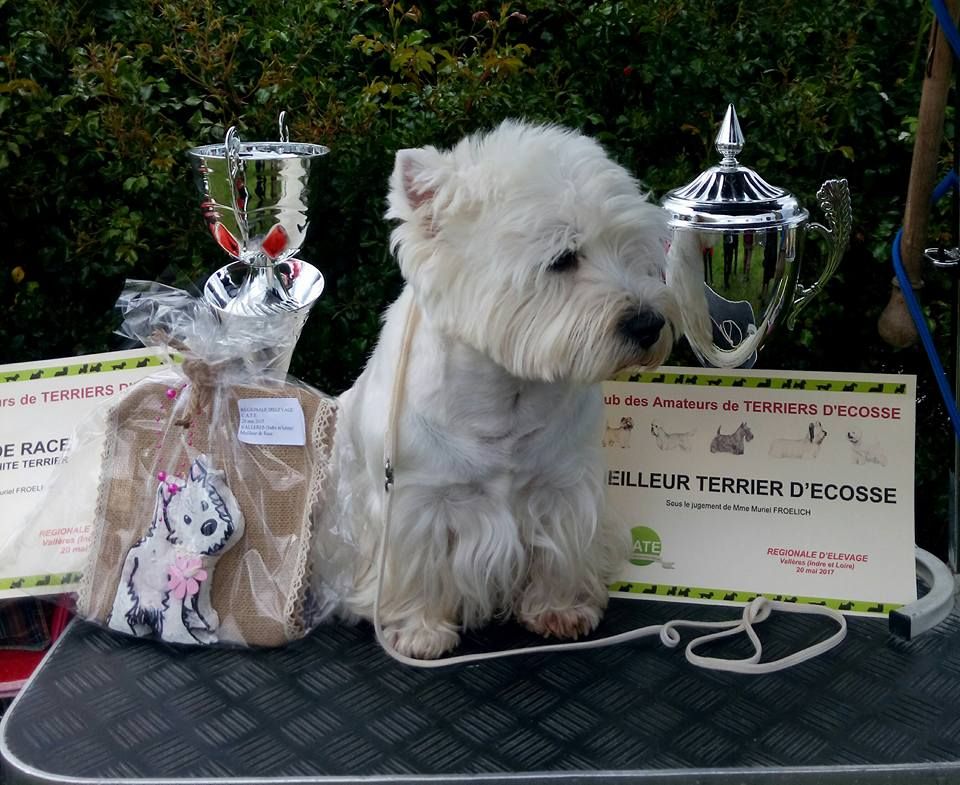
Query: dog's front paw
x=422, y=640
x=566, y=624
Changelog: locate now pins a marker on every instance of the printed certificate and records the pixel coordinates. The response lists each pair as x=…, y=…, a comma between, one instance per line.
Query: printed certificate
x=40, y=405
x=797, y=486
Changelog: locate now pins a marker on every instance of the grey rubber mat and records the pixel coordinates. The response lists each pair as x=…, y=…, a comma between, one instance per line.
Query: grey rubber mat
x=877, y=709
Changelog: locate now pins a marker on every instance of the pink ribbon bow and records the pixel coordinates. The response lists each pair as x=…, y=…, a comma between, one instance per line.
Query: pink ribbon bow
x=185, y=576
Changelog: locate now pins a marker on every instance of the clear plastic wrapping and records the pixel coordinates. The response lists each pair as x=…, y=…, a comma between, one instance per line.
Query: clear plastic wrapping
x=203, y=480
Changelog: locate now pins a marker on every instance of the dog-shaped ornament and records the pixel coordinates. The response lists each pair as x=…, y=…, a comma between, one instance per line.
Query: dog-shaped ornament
x=164, y=587
x=539, y=270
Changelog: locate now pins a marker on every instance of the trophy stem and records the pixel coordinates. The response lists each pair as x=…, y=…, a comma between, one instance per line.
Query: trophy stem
x=268, y=301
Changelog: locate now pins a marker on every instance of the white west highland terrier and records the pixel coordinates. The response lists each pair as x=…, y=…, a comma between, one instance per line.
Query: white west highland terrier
x=538, y=268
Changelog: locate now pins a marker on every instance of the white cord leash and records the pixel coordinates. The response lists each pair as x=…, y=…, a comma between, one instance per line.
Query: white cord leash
x=755, y=612
x=726, y=328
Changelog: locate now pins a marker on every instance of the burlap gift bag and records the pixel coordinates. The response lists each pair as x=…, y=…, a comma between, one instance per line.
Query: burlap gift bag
x=258, y=586
x=207, y=474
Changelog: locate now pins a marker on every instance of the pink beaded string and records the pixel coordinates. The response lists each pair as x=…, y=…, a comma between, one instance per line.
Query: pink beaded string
x=177, y=480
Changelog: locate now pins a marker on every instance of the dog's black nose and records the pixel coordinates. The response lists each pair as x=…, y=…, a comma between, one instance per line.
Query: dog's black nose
x=643, y=327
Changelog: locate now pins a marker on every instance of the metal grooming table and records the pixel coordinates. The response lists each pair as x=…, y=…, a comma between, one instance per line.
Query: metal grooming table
x=334, y=708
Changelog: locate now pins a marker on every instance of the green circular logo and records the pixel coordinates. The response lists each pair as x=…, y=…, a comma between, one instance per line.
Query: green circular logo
x=646, y=546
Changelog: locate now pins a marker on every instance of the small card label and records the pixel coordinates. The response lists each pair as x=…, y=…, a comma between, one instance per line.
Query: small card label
x=272, y=421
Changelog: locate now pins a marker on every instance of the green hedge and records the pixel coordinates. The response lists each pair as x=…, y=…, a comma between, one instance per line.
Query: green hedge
x=100, y=100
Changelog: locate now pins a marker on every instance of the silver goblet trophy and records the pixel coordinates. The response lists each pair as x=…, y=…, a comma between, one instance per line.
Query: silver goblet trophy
x=750, y=236
x=254, y=197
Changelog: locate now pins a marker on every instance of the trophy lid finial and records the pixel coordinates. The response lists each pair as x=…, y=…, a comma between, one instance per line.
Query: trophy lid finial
x=730, y=196
x=729, y=140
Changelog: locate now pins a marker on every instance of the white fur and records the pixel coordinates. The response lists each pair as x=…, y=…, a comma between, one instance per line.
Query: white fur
x=498, y=506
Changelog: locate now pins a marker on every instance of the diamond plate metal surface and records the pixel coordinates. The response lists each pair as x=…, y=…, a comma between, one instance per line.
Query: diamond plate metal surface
x=115, y=709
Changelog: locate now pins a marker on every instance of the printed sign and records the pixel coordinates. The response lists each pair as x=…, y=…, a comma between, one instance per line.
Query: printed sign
x=40, y=404
x=796, y=486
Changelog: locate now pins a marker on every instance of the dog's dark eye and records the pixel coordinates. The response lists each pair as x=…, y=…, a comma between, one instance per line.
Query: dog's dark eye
x=187, y=520
x=568, y=260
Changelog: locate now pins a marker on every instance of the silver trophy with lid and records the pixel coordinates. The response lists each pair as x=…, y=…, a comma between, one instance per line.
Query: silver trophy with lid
x=750, y=238
x=254, y=198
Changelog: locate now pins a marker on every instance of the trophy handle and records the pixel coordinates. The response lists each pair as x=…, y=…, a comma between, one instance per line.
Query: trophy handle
x=238, y=182
x=834, y=198
x=282, y=131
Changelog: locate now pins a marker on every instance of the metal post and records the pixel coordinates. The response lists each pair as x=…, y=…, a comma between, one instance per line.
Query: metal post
x=953, y=520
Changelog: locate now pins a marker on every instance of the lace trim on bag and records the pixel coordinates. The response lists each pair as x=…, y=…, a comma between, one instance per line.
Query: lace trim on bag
x=322, y=443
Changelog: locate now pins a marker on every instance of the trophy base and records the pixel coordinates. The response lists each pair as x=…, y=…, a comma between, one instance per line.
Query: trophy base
x=280, y=297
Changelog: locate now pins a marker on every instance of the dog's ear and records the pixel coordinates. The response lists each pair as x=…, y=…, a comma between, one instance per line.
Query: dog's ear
x=417, y=175
x=198, y=470
x=810, y=428
x=159, y=508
